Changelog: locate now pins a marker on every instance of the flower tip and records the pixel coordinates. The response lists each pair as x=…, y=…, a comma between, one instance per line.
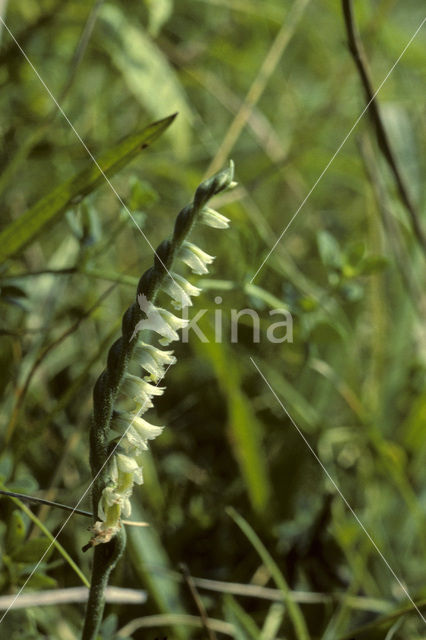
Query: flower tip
x=214, y=219
x=231, y=170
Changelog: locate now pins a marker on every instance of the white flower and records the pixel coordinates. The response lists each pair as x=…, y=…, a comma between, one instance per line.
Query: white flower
x=159, y=320
x=149, y=364
x=110, y=497
x=146, y=430
x=153, y=360
x=132, y=443
x=126, y=506
x=214, y=219
x=137, y=432
x=174, y=324
x=125, y=464
x=128, y=470
x=115, y=498
x=180, y=290
x=113, y=470
x=161, y=357
x=140, y=390
x=195, y=258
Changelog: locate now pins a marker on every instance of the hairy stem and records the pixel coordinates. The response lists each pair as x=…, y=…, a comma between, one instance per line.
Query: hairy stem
x=105, y=558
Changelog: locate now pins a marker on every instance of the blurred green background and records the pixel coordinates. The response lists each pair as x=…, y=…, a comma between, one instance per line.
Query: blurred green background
x=273, y=86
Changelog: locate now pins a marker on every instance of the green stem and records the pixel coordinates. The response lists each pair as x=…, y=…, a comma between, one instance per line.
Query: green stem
x=105, y=558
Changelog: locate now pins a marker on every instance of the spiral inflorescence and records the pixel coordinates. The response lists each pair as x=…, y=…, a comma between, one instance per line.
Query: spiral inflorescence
x=115, y=470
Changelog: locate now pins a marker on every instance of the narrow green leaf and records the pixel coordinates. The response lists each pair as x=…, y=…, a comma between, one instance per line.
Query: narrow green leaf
x=31, y=551
x=27, y=227
x=40, y=581
x=159, y=12
x=146, y=71
x=273, y=621
x=247, y=437
x=15, y=533
x=151, y=565
x=245, y=431
x=245, y=627
x=329, y=250
x=294, y=610
x=50, y=537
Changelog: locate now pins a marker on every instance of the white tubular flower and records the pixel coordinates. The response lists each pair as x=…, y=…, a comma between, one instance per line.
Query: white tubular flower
x=135, y=443
x=195, y=258
x=126, y=506
x=174, y=324
x=162, y=358
x=159, y=320
x=128, y=472
x=146, y=430
x=113, y=471
x=110, y=498
x=179, y=296
x=137, y=432
x=153, y=360
x=140, y=390
x=132, y=443
x=115, y=499
x=214, y=219
x=149, y=364
x=180, y=290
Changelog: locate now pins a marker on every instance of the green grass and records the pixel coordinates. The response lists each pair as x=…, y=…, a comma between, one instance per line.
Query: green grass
x=348, y=268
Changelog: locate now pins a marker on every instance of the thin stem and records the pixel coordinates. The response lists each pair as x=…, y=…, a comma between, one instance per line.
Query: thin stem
x=33, y=499
x=404, y=268
x=56, y=597
x=198, y=601
x=105, y=558
x=384, y=621
x=260, y=82
x=65, y=507
x=360, y=59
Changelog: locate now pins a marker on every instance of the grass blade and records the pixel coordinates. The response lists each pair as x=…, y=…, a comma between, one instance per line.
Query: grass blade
x=244, y=428
x=51, y=538
x=145, y=552
x=294, y=611
x=27, y=227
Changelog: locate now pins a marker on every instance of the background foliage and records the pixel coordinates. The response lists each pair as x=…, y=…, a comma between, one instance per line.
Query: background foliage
x=273, y=86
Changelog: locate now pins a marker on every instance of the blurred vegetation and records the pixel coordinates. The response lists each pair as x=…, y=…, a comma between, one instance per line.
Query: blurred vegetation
x=273, y=86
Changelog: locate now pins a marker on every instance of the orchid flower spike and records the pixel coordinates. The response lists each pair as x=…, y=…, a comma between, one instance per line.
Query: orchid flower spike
x=115, y=477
